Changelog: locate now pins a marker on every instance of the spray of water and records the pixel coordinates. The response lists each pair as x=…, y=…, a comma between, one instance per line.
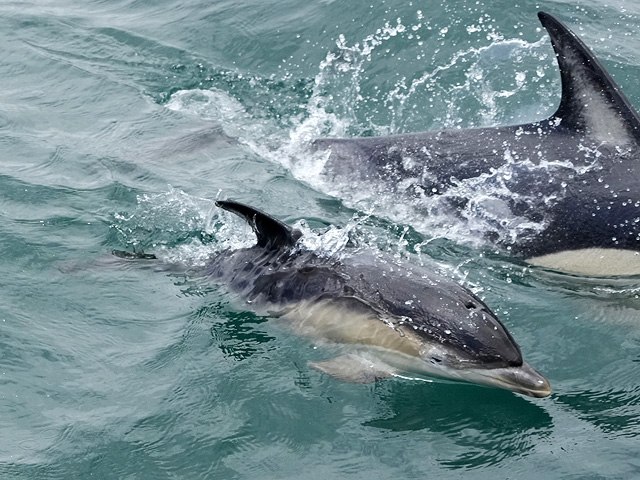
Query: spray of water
x=340, y=106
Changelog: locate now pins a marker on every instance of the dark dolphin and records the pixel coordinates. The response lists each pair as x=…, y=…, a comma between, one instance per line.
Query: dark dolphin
x=574, y=176
x=382, y=318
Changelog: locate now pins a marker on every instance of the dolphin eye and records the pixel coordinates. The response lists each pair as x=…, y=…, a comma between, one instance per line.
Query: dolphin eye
x=470, y=305
x=436, y=360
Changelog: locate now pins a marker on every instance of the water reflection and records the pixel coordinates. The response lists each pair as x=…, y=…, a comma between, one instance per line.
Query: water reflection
x=613, y=411
x=490, y=425
x=618, y=288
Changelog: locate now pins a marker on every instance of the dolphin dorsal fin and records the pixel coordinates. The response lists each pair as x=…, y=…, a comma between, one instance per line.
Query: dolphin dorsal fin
x=272, y=233
x=591, y=100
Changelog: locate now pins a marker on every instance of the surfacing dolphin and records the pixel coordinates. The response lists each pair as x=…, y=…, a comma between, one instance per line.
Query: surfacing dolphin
x=385, y=319
x=575, y=175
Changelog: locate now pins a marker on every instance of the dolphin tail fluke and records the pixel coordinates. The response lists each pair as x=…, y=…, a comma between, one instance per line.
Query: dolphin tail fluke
x=272, y=233
x=591, y=100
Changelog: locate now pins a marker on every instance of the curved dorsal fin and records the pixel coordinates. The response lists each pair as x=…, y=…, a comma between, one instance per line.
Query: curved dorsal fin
x=591, y=100
x=272, y=233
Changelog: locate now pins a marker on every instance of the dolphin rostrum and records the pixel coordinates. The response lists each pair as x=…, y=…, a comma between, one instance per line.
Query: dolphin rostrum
x=383, y=319
x=568, y=186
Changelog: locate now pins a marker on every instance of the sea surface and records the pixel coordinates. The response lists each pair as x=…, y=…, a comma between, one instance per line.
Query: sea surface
x=121, y=123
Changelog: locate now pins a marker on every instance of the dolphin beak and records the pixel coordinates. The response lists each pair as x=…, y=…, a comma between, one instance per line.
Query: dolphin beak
x=523, y=379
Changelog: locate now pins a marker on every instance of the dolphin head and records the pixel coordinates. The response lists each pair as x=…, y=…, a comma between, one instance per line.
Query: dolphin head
x=457, y=336
x=466, y=341
x=453, y=360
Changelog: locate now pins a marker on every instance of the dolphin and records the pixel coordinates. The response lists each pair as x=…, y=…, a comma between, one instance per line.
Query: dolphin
x=568, y=185
x=383, y=319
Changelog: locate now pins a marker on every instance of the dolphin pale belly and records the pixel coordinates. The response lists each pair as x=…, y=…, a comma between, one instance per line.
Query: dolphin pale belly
x=575, y=175
x=386, y=319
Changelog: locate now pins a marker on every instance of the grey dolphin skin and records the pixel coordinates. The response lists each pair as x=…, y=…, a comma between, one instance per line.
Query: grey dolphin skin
x=383, y=319
x=576, y=174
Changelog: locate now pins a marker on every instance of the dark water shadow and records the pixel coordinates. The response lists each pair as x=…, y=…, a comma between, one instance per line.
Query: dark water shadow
x=236, y=332
x=489, y=425
x=237, y=336
x=615, y=412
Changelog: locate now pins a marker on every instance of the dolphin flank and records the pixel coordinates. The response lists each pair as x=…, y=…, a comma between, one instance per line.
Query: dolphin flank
x=575, y=175
x=384, y=319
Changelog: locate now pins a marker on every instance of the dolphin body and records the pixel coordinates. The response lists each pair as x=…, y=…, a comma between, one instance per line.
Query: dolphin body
x=575, y=175
x=386, y=319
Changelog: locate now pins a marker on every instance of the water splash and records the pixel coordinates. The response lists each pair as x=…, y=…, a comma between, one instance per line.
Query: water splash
x=180, y=228
x=184, y=229
x=469, y=89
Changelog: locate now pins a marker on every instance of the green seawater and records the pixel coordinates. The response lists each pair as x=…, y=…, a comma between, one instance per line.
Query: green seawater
x=122, y=121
